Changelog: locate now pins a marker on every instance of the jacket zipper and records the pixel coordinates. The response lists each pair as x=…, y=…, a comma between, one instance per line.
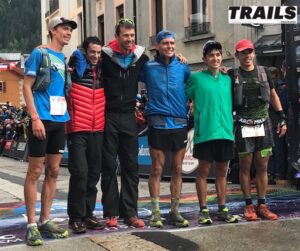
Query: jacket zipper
x=94, y=88
x=167, y=77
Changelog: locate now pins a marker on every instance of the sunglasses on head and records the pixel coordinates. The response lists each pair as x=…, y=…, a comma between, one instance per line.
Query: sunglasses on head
x=125, y=21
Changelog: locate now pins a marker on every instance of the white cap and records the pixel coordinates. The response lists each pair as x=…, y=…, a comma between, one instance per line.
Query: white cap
x=61, y=20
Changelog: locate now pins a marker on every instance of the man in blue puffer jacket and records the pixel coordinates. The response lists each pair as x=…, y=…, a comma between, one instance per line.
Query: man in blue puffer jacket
x=166, y=113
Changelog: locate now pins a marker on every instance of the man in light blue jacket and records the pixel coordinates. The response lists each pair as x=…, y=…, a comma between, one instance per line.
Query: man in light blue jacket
x=166, y=114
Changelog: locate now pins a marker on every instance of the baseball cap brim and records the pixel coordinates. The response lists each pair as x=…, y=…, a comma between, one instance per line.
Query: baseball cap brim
x=209, y=45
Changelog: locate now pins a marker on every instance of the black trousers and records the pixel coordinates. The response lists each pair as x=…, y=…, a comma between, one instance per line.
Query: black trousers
x=120, y=140
x=85, y=159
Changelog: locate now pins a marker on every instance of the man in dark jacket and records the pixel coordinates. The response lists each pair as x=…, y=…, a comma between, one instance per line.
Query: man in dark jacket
x=122, y=61
x=86, y=106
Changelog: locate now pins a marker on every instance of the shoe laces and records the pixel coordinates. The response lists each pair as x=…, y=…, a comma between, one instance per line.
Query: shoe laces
x=156, y=216
x=204, y=213
x=34, y=230
x=177, y=216
x=265, y=210
x=249, y=209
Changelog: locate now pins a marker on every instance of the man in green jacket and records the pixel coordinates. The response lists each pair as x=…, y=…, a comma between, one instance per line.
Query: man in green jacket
x=210, y=91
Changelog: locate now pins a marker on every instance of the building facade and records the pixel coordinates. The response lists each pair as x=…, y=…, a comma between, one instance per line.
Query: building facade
x=11, y=83
x=71, y=9
x=193, y=21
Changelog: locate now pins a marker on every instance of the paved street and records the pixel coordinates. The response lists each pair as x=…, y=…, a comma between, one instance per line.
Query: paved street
x=279, y=235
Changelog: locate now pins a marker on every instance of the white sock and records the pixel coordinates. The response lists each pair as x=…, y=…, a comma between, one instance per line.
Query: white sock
x=31, y=225
x=44, y=222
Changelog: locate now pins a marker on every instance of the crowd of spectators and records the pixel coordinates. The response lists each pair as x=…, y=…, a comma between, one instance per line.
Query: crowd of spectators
x=13, y=121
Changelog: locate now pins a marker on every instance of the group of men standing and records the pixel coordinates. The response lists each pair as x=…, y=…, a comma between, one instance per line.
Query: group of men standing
x=101, y=128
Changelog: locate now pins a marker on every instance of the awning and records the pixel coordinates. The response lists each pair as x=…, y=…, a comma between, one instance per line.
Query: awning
x=269, y=45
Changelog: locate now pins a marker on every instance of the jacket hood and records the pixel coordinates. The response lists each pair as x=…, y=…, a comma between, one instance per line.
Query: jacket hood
x=114, y=45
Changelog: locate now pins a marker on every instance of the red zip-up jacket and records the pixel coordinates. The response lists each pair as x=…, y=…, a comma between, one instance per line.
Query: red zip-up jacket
x=86, y=103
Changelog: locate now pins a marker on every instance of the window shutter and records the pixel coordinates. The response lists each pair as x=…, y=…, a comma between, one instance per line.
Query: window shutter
x=3, y=87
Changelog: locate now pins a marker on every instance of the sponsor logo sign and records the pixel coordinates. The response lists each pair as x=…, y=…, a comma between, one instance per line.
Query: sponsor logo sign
x=262, y=14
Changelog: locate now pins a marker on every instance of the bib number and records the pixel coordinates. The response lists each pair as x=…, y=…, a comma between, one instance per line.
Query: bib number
x=253, y=131
x=58, y=105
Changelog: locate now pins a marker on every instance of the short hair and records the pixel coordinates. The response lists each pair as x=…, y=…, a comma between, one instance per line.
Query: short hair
x=124, y=22
x=273, y=70
x=90, y=40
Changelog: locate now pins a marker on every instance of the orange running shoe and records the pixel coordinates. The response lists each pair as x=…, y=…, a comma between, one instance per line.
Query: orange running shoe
x=264, y=212
x=249, y=213
x=112, y=221
x=134, y=222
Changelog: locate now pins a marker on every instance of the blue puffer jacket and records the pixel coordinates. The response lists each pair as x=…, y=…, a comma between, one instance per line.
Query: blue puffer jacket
x=165, y=87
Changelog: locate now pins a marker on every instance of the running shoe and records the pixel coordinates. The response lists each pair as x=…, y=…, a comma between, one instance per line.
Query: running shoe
x=134, y=222
x=52, y=230
x=264, y=212
x=112, y=221
x=33, y=236
x=155, y=220
x=204, y=217
x=94, y=223
x=249, y=213
x=224, y=215
x=176, y=219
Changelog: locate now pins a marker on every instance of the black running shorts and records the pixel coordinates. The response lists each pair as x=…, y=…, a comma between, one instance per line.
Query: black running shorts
x=167, y=139
x=214, y=150
x=54, y=142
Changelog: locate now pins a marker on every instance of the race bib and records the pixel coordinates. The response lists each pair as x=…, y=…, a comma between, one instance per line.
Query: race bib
x=58, y=105
x=253, y=131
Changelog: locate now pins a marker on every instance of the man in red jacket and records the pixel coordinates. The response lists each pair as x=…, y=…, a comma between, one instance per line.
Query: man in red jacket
x=86, y=106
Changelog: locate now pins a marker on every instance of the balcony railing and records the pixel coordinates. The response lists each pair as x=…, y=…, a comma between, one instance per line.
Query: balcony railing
x=196, y=29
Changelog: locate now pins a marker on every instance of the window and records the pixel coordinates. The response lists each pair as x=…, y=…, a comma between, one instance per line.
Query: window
x=157, y=23
x=2, y=87
x=198, y=20
x=120, y=12
x=80, y=29
x=101, y=28
x=53, y=5
x=159, y=15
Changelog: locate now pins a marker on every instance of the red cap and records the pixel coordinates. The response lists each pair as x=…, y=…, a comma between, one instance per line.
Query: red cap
x=244, y=44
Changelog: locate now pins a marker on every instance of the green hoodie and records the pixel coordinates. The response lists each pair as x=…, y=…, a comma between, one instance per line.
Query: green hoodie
x=212, y=98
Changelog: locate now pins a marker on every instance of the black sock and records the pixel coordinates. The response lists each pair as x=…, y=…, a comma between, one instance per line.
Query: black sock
x=248, y=201
x=261, y=201
x=203, y=207
x=221, y=207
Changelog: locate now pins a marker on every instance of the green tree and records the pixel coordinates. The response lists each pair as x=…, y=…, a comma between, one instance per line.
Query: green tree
x=20, y=25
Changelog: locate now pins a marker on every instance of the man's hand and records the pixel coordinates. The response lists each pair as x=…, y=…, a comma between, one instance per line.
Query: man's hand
x=223, y=69
x=281, y=130
x=38, y=129
x=282, y=124
x=191, y=108
x=182, y=59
